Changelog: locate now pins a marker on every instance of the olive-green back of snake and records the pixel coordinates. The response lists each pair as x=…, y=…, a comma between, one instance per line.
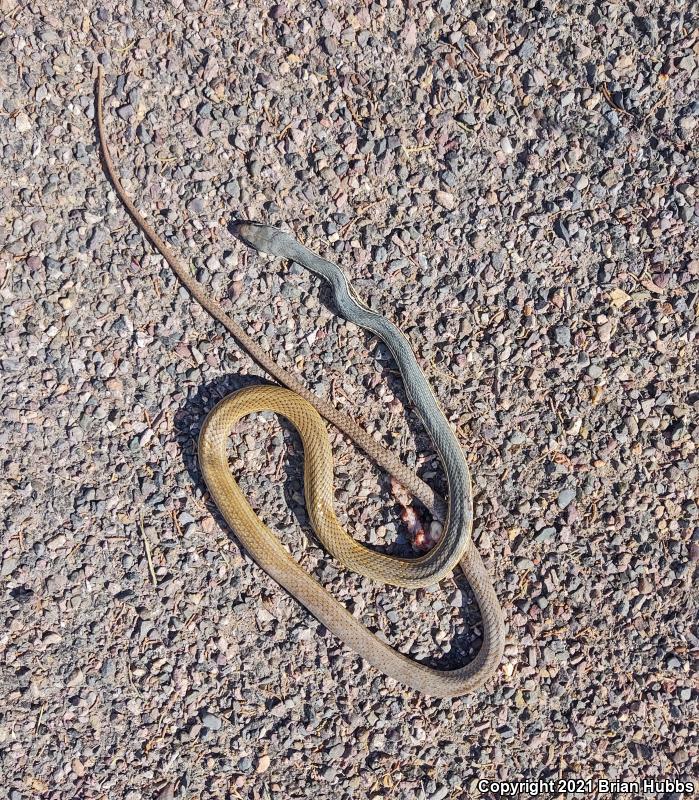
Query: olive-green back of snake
x=441, y=560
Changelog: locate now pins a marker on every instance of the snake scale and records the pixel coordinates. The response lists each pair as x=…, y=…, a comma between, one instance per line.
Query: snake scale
x=304, y=410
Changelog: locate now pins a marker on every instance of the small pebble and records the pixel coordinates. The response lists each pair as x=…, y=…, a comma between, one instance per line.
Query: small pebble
x=211, y=721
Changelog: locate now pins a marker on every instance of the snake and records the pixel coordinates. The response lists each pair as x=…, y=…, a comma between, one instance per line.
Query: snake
x=305, y=411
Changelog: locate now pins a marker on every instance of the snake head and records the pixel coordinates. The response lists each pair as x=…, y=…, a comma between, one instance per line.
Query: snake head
x=263, y=238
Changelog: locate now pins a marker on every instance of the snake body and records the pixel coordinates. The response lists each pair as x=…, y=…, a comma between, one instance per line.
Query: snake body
x=301, y=408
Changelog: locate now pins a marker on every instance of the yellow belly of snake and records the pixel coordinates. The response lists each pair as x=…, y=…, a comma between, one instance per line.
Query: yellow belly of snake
x=266, y=549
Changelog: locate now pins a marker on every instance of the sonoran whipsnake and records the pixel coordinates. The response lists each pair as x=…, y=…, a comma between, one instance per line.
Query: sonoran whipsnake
x=302, y=408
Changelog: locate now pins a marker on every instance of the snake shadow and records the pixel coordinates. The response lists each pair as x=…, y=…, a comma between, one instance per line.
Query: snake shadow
x=188, y=422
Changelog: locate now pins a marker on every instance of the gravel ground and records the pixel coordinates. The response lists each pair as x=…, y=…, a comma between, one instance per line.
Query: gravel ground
x=515, y=185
